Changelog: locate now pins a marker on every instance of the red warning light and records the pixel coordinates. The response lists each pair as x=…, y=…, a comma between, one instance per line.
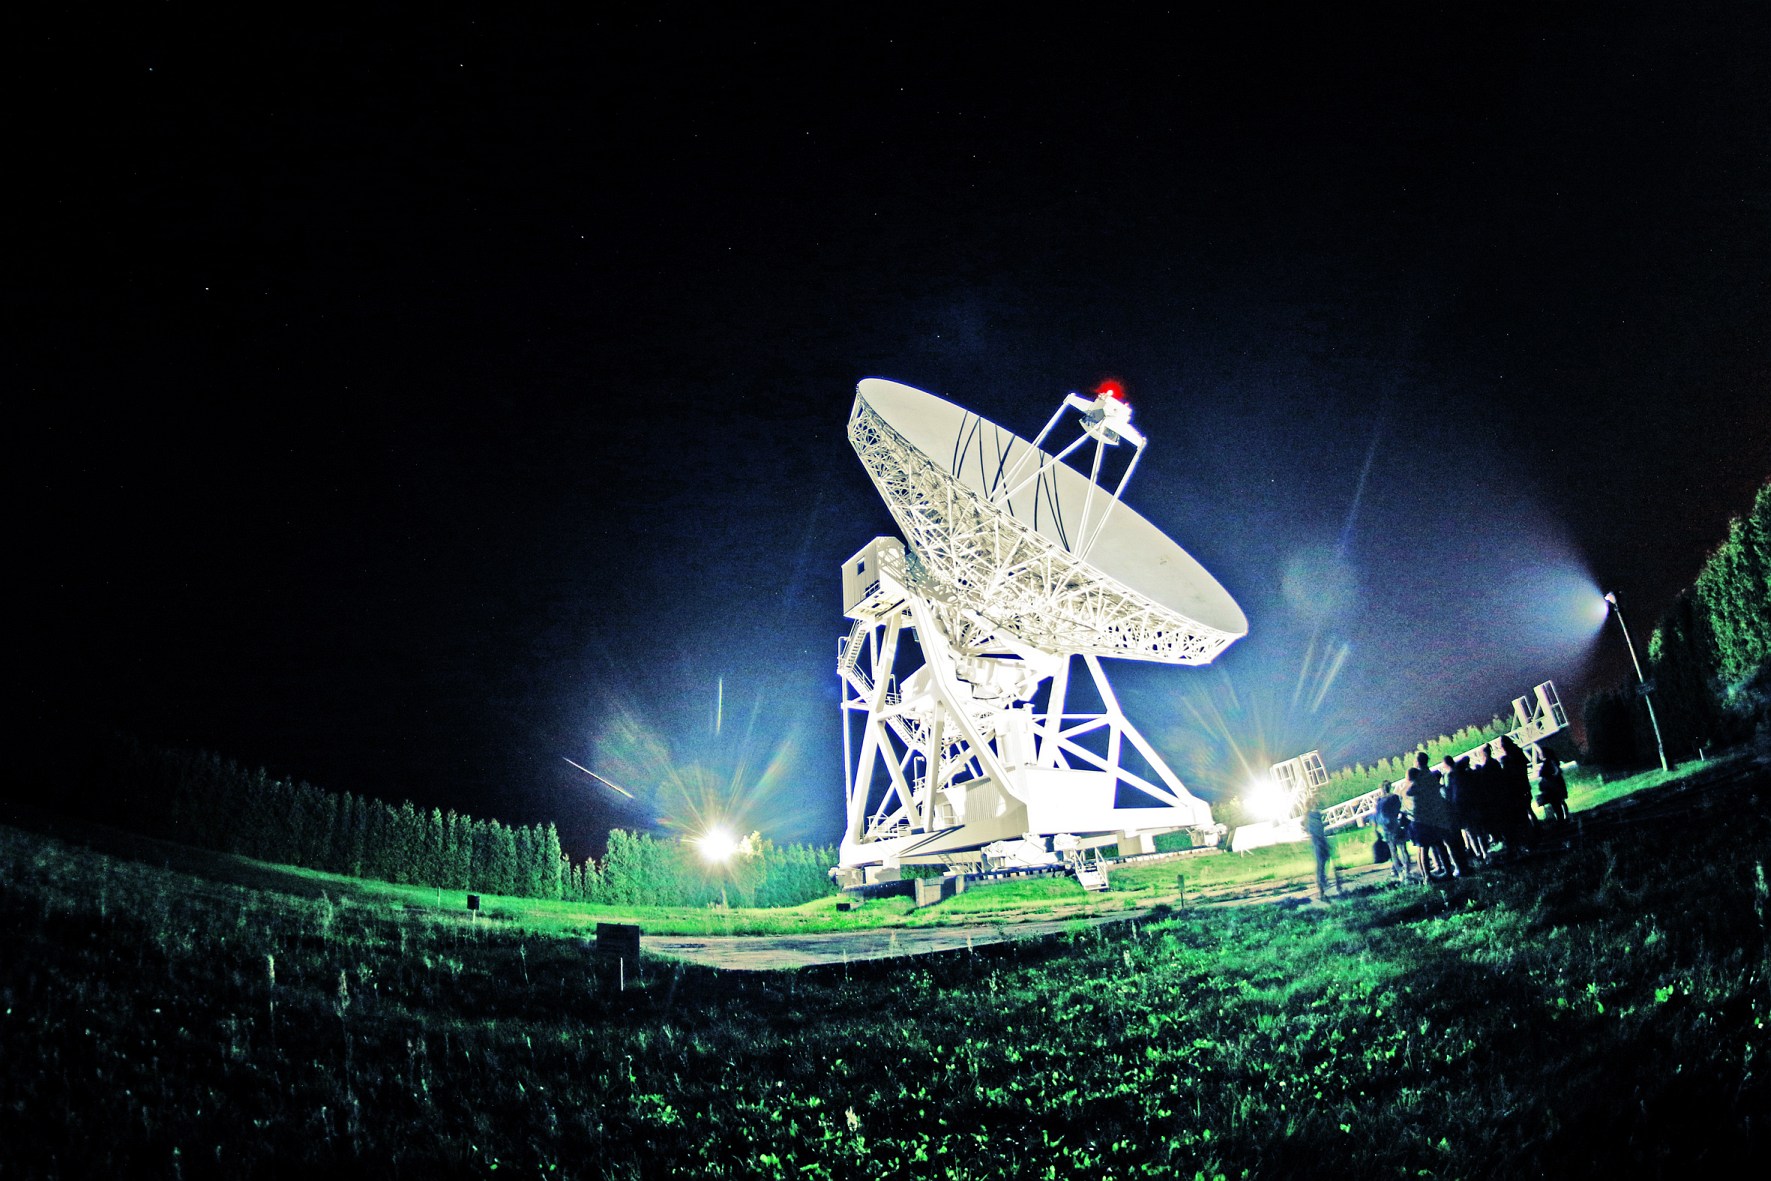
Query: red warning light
x=1113, y=388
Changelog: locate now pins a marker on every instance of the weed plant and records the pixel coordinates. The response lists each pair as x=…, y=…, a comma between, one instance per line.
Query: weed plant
x=1595, y=1010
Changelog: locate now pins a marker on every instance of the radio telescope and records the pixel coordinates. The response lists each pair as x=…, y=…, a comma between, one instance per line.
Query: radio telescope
x=1018, y=567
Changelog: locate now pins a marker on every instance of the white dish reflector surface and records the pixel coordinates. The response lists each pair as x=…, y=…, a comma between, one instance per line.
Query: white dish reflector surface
x=941, y=470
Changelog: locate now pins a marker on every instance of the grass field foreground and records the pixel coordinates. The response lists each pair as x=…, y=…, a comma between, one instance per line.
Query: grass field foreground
x=1597, y=1011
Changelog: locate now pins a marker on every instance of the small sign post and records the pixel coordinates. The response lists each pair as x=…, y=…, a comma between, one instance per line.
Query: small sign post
x=619, y=942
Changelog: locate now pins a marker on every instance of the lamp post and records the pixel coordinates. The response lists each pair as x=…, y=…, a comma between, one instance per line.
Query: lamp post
x=1647, y=697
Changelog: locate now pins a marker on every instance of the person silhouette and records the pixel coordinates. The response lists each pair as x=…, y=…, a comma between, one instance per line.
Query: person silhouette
x=1514, y=806
x=1319, y=845
x=1435, y=824
x=1552, y=790
x=1395, y=833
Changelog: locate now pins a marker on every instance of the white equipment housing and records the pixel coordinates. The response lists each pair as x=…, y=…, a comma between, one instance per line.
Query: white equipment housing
x=1300, y=779
x=1021, y=574
x=1247, y=837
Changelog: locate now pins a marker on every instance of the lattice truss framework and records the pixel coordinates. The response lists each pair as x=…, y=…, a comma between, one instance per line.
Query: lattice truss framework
x=1033, y=587
x=900, y=735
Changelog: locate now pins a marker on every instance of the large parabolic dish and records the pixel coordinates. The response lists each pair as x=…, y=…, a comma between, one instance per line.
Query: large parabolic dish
x=1030, y=544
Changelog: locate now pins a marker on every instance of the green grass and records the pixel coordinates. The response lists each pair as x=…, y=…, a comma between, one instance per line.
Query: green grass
x=1197, y=877
x=1588, y=789
x=1597, y=1012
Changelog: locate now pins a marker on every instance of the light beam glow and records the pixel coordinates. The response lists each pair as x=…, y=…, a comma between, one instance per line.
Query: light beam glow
x=729, y=778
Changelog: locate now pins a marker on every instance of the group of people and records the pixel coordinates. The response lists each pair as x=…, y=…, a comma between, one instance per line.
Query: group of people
x=1490, y=800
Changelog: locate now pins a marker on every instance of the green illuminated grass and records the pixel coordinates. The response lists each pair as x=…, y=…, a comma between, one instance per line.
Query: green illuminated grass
x=1599, y=1011
x=1587, y=789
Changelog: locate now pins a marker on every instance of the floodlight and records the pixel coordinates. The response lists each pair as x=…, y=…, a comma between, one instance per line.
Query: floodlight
x=1266, y=800
x=718, y=845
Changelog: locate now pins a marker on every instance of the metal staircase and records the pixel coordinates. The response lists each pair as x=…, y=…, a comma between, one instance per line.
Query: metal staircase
x=1091, y=874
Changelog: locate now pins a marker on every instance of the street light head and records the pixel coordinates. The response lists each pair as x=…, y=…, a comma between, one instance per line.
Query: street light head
x=1611, y=597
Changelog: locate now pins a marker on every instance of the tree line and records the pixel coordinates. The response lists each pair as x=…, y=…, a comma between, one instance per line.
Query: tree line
x=640, y=870
x=1708, y=660
x=200, y=798
x=1358, y=779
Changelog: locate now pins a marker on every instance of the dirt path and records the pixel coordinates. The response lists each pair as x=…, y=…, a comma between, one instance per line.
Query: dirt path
x=774, y=952
x=770, y=952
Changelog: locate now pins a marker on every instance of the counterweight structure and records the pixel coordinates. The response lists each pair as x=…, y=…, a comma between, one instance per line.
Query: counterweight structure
x=976, y=707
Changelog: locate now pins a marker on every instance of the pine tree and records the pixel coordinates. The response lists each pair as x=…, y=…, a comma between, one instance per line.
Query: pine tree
x=497, y=873
x=360, y=833
x=379, y=840
x=555, y=864
x=483, y=880
x=1734, y=589
x=406, y=844
x=313, y=805
x=436, y=840
x=507, y=855
x=457, y=852
x=622, y=871
x=523, y=879
x=479, y=845
x=1682, y=655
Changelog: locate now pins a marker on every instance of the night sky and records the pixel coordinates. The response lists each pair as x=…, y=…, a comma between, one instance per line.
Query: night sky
x=409, y=406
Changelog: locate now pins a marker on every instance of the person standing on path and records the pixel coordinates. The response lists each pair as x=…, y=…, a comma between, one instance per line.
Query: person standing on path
x=1435, y=827
x=1319, y=843
x=1515, y=780
x=1395, y=834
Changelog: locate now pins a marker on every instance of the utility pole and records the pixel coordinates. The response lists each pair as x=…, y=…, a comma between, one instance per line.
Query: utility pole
x=1644, y=688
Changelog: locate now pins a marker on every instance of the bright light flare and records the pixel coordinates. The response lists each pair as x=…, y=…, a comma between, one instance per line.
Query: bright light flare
x=1225, y=728
x=1553, y=609
x=695, y=785
x=718, y=845
x=1264, y=799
